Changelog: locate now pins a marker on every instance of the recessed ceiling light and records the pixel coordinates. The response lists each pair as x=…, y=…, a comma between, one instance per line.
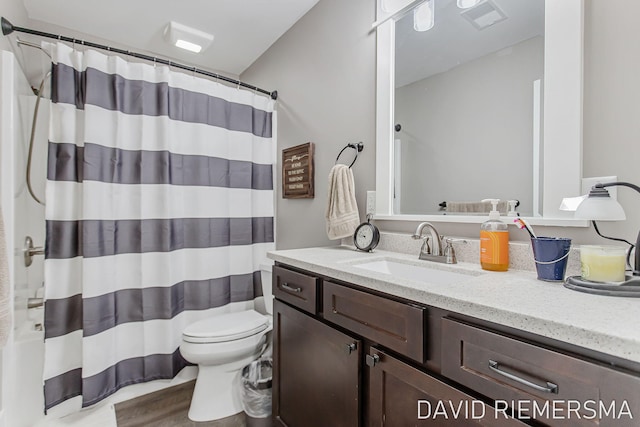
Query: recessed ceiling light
x=186, y=37
x=183, y=44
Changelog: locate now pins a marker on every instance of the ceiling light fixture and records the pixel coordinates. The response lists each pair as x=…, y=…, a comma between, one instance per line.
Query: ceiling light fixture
x=468, y=4
x=484, y=14
x=424, y=16
x=186, y=37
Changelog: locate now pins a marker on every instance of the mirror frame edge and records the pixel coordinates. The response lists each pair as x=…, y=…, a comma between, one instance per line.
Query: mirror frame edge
x=564, y=52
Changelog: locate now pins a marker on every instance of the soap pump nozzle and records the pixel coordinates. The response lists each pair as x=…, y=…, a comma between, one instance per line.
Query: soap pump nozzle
x=512, y=208
x=494, y=214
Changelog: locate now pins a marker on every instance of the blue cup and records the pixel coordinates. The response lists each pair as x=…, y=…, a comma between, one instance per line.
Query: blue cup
x=550, y=255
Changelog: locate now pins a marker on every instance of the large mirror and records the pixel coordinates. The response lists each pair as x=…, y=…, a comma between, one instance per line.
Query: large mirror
x=479, y=106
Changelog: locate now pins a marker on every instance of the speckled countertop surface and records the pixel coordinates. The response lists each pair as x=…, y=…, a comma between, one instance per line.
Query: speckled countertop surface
x=515, y=298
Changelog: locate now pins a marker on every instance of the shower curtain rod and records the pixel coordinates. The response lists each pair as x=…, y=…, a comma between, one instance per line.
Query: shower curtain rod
x=8, y=28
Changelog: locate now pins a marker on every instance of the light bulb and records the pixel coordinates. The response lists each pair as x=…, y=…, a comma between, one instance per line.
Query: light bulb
x=424, y=16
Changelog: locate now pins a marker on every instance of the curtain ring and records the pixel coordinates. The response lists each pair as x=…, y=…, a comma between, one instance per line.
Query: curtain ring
x=154, y=61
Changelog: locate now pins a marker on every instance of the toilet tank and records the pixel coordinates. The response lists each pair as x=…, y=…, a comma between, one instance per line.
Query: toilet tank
x=266, y=267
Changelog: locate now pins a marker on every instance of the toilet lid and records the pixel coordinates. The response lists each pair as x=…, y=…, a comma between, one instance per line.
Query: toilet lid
x=226, y=327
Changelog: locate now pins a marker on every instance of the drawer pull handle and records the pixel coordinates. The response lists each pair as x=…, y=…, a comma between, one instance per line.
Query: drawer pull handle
x=372, y=360
x=350, y=348
x=549, y=388
x=286, y=287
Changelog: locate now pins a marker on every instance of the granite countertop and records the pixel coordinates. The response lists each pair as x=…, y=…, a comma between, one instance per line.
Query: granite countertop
x=514, y=298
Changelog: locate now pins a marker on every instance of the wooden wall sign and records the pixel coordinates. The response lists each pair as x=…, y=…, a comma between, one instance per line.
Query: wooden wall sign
x=297, y=172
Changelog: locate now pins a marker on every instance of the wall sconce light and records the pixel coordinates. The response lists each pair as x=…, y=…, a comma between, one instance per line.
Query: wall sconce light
x=186, y=37
x=424, y=16
x=468, y=4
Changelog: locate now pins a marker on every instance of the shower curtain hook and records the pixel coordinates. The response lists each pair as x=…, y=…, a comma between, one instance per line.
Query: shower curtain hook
x=154, y=61
x=74, y=43
x=194, y=72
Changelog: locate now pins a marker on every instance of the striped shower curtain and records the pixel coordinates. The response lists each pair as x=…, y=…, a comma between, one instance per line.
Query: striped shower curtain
x=159, y=210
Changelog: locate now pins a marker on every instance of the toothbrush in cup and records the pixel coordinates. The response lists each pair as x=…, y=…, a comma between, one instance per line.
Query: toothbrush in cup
x=521, y=224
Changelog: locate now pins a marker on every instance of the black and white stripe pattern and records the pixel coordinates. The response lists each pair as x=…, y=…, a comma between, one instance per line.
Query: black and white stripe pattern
x=159, y=212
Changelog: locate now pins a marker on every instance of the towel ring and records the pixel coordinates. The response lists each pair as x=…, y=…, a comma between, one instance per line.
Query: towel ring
x=358, y=147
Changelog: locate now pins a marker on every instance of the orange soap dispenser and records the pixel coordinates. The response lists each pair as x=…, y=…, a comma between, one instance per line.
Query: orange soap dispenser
x=494, y=241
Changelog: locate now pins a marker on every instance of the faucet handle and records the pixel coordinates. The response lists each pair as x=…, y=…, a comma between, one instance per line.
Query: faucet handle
x=450, y=253
x=449, y=250
x=449, y=240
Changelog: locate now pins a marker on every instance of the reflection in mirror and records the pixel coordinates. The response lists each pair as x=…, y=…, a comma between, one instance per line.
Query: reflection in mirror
x=468, y=99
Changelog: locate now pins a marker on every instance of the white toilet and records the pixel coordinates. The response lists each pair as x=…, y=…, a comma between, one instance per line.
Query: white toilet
x=221, y=346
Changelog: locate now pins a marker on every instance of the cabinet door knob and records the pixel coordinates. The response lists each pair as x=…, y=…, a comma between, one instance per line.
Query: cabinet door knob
x=372, y=360
x=350, y=348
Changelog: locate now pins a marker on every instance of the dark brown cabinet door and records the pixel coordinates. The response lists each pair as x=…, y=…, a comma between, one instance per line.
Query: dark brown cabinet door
x=316, y=372
x=400, y=395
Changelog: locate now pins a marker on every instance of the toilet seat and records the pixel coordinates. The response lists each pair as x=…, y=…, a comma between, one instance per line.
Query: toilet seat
x=226, y=327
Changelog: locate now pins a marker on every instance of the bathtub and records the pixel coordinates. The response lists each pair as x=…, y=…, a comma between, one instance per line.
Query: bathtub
x=27, y=399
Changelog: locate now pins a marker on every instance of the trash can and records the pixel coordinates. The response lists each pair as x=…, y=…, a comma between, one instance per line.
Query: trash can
x=255, y=389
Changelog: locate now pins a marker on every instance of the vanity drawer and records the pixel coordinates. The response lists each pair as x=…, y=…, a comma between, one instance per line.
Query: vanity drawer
x=399, y=327
x=295, y=288
x=564, y=389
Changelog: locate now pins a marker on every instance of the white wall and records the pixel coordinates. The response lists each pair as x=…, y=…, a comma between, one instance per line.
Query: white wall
x=14, y=11
x=323, y=69
x=611, y=93
x=612, y=104
x=488, y=103
x=22, y=217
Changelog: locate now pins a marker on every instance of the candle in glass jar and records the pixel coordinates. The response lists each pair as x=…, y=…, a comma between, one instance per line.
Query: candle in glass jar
x=602, y=263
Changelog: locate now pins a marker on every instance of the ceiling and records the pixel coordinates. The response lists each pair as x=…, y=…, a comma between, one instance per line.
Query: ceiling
x=454, y=40
x=242, y=29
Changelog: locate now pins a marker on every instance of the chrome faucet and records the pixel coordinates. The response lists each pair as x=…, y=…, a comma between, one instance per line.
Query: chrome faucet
x=435, y=253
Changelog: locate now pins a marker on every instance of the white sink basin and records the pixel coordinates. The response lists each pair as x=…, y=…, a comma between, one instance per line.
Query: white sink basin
x=420, y=273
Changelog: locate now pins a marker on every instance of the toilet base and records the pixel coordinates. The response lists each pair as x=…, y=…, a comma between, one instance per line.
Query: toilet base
x=214, y=396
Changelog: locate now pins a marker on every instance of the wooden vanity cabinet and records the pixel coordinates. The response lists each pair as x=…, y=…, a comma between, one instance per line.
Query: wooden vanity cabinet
x=558, y=388
x=346, y=356
x=401, y=395
x=316, y=372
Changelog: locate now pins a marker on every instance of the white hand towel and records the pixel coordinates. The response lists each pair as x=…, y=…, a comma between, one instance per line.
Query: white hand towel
x=342, y=211
x=5, y=307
